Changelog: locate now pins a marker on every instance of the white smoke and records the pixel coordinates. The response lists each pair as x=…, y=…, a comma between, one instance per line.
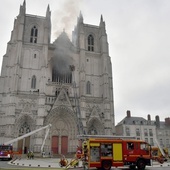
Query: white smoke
x=65, y=17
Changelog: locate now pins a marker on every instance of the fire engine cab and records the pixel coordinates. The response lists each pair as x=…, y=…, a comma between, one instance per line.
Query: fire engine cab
x=111, y=152
x=6, y=152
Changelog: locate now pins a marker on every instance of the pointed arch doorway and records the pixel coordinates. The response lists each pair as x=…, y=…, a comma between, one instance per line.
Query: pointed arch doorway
x=24, y=144
x=25, y=124
x=60, y=138
x=63, y=133
x=95, y=127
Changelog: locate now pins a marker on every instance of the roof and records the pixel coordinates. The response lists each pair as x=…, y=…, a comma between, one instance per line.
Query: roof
x=63, y=40
x=133, y=120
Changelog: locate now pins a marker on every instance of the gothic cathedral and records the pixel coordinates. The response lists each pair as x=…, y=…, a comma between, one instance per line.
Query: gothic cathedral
x=67, y=83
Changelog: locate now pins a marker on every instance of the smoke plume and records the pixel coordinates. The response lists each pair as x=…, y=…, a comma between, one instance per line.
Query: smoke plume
x=62, y=60
x=65, y=18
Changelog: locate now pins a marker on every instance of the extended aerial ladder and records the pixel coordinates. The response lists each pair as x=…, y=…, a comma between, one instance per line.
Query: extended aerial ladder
x=160, y=148
x=158, y=153
x=78, y=113
x=31, y=133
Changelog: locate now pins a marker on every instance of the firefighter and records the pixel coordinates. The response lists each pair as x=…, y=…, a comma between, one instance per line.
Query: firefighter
x=79, y=152
x=63, y=161
x=28, y=154
x=85, y=156
x=31, y=155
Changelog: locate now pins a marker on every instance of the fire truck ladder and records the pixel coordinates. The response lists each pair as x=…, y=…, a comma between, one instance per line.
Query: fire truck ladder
x=160, y=148
x=31, y=133
x=77, y=105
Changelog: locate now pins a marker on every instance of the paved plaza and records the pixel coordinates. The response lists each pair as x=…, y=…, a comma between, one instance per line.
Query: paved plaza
x=54, y=162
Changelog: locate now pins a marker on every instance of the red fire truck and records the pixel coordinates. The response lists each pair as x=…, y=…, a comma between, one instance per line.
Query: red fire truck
x=6, y=152
x=111, y=152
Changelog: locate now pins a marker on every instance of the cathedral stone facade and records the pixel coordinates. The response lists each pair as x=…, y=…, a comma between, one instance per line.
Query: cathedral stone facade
x=67, y=84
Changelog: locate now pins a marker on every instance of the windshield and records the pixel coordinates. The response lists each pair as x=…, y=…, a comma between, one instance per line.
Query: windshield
x=144, y=146
x=5, y=148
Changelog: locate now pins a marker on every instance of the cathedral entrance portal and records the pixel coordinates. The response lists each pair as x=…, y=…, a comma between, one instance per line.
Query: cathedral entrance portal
x=60, y=138
x=63, y=131
x=24, y=125
x=24, y=144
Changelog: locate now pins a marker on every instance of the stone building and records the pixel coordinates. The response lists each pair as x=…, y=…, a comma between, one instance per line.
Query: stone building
x=137, y=127
x=152, y=131
x=67, y=84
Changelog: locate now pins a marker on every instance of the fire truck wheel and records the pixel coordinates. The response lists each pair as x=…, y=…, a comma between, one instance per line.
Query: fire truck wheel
x=106, y=165
x=141, y=164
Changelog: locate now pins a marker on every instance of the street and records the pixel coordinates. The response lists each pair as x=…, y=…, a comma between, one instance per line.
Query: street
x=6, y=165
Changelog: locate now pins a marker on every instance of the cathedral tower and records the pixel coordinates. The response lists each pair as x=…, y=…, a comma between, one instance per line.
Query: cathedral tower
x=65, y=83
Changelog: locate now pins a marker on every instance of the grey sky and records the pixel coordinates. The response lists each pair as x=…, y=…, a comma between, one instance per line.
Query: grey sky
x=138, y=35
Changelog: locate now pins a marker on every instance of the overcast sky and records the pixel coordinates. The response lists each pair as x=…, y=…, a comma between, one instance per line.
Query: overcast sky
x=139, y=45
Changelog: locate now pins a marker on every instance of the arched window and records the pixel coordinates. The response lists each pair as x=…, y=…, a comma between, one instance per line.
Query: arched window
x=33, y=82
x=25, y=128
x=90, y=42
x=34, y=35
x=88, y=87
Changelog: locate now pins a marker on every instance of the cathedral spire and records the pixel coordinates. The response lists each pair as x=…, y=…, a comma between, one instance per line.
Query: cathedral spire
x=102, y=23
x=24, y=3
x=101, y=18
x=23, y=8
x=48, y=13
x=103, y=35
x=80, y=19
x=48, y=23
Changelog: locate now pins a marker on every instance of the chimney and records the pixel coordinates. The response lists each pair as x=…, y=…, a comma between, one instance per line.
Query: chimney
x=167, y=121
x=149, y=117
x=128, y=113
x=157, y=121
